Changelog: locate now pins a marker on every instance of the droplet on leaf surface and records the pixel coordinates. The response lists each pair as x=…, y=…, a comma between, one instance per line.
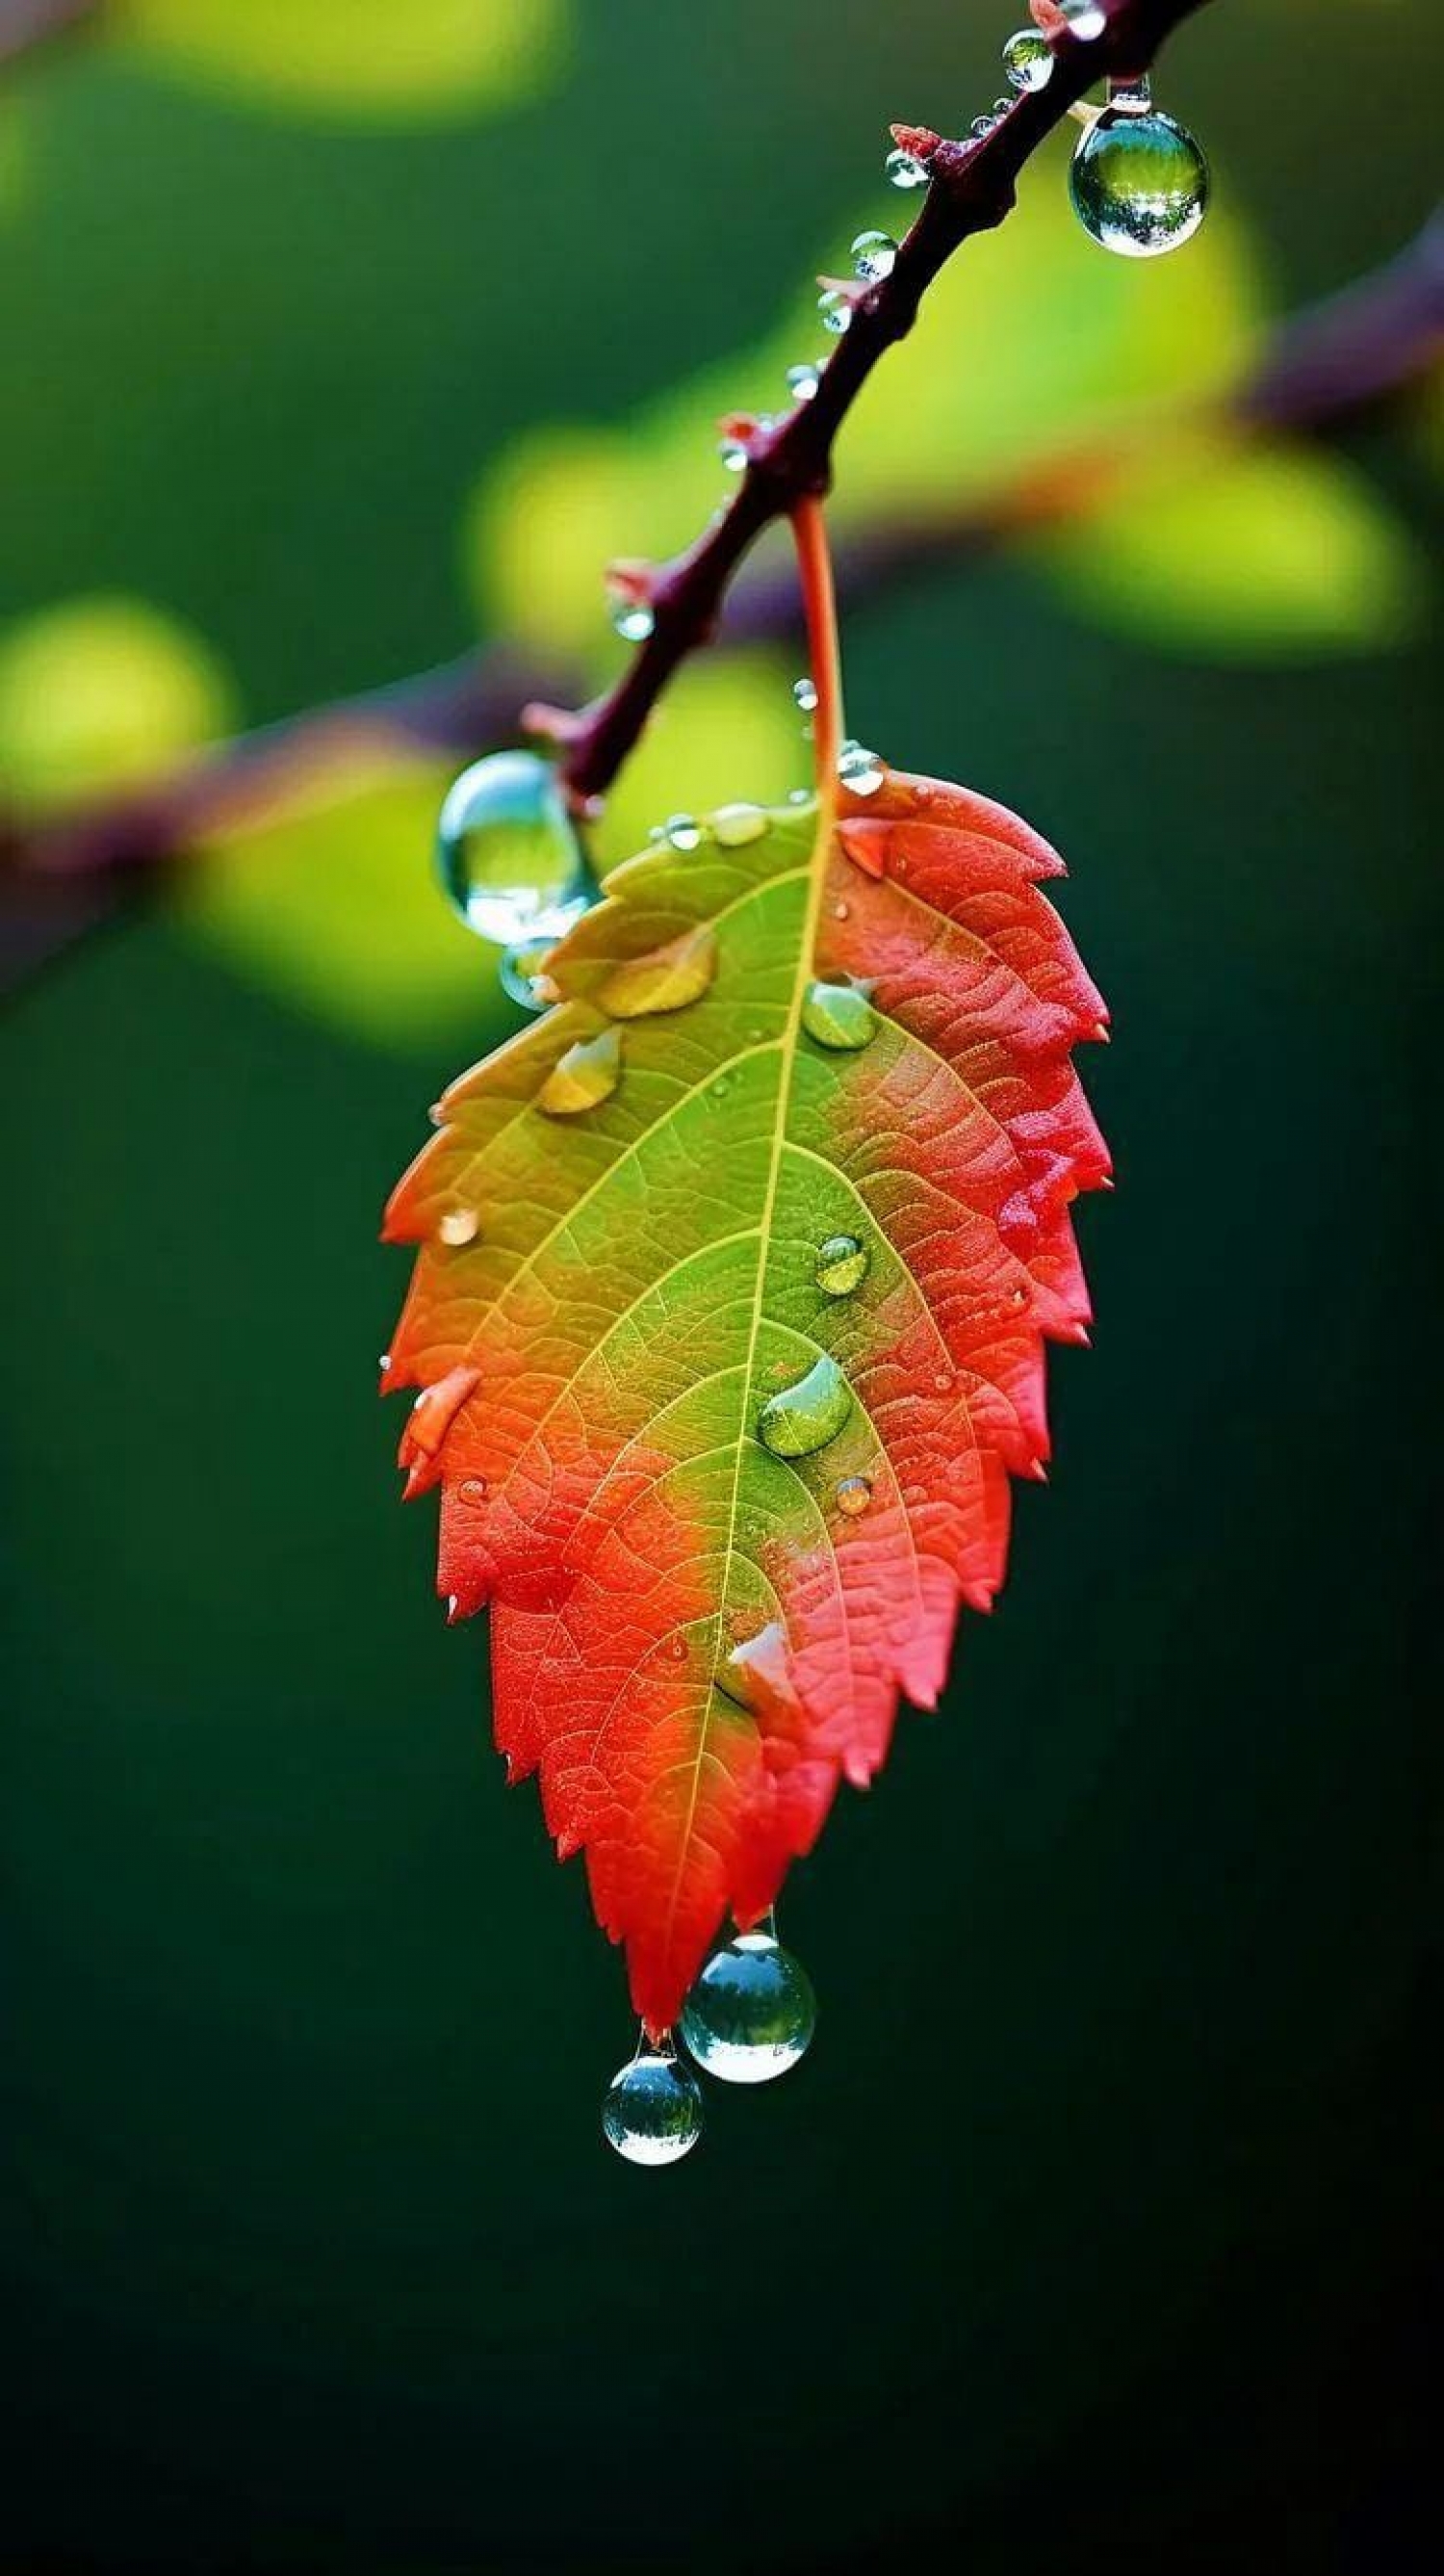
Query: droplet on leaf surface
x=752, y=2012
x=733, y=826
x=839, y=1016
x=459, y=1225
x=803, y=1417
x=586, y=1075
x=853, y=1496
x=665, y=978
x=507, y=851
x=842, y=1265
x=652, y=2113
x=860, y=769
x=1139, y=182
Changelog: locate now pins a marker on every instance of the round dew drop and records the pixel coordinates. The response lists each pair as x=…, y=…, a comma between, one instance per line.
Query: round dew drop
x=683, y=831
x=1028, y=59
x=633, y=620
x=835, y=307
x=805, y=694
x=842, y=1265
x=459, y=1225
x=507, y=852
x=652, y=2112
x=905, y=170
x=860, y=770
x=752, y=2012
x=522, y=974
x=803, y=381
x=839, y=1016
x=1139, y=182
x=874, y=257
x=1085, y=18
x=853, y=1496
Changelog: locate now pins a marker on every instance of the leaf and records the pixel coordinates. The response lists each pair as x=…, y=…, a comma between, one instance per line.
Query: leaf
x=370, y=60
x=724, y=1485
x=1246, y=553
x=103, y=693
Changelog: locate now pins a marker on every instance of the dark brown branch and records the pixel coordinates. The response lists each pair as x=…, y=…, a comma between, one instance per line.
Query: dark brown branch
x=973, y=187
x=27, y=24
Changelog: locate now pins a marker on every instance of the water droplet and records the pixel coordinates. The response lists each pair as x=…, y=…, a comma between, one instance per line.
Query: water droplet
x=842, y=1265
x=755, y=1674
x=508, y=855
x=835, y=306
x=652, y=2113
x=874, y=257
x=982, y=125
x=1139, y=182
x=905, y=170
x=861, y=770
x=1003, y=107
x=384, y=1362
x=633, y=620
x=733, y=826
x=683, y=831
x=839, y=1016
x=733, y=452
x=805, y=693
x=459, y=1225
x=806, y=1415
x=853, y=1496
x=586, y=1075
x=1028, y=59
x=839, y=912
x=799, y=796
x=523, y=977
x=666, y=978
x=1085, y=18
x=945, y=1381
x=751, y=2013
x=473, y=1490
x=803, y=381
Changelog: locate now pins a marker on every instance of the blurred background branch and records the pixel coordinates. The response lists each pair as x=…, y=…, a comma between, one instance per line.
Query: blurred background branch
x=1320, y=371
x=27, y=24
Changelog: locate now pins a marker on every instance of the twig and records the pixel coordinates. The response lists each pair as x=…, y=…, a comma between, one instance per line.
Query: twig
x=973, y=187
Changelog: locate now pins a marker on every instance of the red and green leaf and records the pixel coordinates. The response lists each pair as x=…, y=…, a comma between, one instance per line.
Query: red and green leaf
x=725, y=1494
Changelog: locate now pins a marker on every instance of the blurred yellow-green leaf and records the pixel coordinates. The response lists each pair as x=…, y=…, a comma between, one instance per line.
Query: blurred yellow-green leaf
x=334, y=908
x=1031, y=340
x=727, y=730
x=1265, y=550
x=102, y=693
x=376, y=61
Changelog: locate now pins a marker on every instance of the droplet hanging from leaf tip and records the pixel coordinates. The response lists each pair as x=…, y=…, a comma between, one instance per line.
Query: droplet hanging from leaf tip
x=652, y=2112
x=751, y=2014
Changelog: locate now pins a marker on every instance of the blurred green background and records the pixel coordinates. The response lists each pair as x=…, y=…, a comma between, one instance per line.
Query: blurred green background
x=1095, y=2234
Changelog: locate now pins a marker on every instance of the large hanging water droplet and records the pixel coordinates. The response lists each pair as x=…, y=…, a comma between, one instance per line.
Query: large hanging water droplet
x=874, y=257
x=586, y=1075
x=839, y=1016
x=1085, y=18
x=1028, y=59
x=835, y=306
x=752, y=2012
x=905, y=170
x=842, y=1265
x=507, y=851
x=652, y=2113
x=1139, y=182
x=805, y=1416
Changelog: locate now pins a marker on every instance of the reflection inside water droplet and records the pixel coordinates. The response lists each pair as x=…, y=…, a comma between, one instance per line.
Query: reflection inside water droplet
x=853, y=1496
x=752, y=2013
x=583, y=1077
x=459, y=1225
x=652, y=2113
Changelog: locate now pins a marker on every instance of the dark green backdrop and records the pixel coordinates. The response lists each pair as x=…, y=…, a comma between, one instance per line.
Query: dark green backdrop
x=1092, y=2237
